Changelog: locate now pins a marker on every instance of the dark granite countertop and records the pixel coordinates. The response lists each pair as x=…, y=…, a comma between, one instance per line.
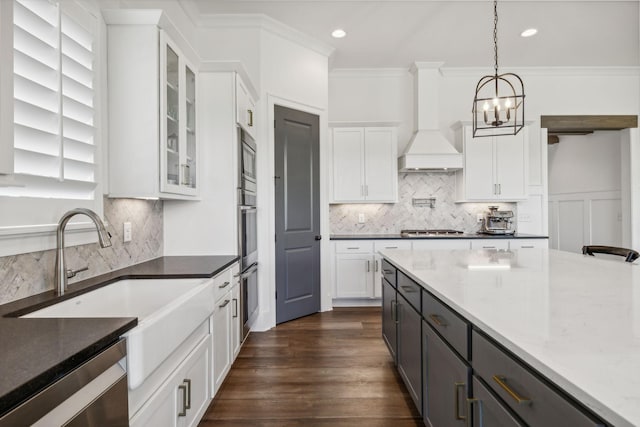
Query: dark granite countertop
x=35, y=352
x=435, y=237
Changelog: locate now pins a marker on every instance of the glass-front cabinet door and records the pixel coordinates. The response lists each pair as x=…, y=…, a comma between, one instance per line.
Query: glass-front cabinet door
x=191, y=152
x=178, y=121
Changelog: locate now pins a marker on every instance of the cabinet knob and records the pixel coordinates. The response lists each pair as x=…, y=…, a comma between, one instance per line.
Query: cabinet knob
x=318, y=237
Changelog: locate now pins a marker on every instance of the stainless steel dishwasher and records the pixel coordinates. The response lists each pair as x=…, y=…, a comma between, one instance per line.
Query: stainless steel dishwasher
x=93, y=394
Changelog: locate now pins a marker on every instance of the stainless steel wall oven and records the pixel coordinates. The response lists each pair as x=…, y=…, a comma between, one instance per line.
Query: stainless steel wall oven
x=247, y=230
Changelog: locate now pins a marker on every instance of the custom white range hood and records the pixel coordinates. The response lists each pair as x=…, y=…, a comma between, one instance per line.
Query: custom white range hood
x=428, y=149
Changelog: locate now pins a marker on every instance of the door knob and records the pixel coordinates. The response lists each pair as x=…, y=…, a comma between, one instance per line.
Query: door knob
x=318, y=237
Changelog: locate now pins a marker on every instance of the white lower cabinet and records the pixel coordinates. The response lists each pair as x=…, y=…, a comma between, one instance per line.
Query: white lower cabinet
x=182, y=399
x=490, y=244
x=236, y=324
x=438, y=244
x=353, y=275
x=357, y=267
x=221, y=329
x=356, y=263
x=528, y=243
x=179, y=391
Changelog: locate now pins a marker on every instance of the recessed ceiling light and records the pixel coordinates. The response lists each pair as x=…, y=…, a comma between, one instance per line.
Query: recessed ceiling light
x=339, y=33
x=529, y=32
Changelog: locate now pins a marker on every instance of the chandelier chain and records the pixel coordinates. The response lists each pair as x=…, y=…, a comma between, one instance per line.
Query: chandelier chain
x=495, y=34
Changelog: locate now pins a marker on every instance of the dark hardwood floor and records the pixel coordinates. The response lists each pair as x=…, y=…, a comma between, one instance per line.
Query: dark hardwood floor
x=328, y=369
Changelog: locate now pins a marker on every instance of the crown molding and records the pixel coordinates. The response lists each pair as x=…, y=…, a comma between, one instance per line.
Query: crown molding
x=155, y=17
x=620, y=71
x=133, y=16
x=266, y=23
x=359, y=73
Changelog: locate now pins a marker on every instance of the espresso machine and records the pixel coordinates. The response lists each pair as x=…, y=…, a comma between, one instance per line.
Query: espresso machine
x=498, y=222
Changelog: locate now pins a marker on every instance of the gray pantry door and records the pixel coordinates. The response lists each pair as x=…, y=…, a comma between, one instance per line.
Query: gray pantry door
x=297, y=210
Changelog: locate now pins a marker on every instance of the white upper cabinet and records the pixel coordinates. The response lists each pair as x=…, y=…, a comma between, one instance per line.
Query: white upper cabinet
x=495, y=168
x=365, y=165
x=178, y=169
x=152, y=113
x=245, y=108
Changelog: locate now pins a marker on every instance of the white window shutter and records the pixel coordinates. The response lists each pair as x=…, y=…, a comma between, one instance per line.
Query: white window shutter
x=54, y=111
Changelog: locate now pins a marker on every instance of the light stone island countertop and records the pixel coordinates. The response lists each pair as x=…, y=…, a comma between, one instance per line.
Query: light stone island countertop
x=574, y=318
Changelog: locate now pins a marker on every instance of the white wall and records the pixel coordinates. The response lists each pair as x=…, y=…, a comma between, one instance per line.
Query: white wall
x=581, y=163
x=373, y=95
x=233, y=44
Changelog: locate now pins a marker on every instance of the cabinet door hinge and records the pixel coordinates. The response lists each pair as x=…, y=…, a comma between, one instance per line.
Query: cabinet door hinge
x=276, y=295
x=274, y=124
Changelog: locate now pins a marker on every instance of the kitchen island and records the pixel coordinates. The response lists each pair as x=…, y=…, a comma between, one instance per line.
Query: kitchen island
x=573, y=319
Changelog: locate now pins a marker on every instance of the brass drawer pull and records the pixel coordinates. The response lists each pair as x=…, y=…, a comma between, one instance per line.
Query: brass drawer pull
x=224, y=285
x=520, y=400
x=225, y=303
x=438, y=320
x=385, y=271
x=456, y=387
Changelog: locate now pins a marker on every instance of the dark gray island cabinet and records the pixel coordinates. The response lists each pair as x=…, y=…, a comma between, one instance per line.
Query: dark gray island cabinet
x=459, y=376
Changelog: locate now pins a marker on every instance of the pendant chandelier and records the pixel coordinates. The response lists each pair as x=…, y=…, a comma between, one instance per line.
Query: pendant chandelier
x=498, y=107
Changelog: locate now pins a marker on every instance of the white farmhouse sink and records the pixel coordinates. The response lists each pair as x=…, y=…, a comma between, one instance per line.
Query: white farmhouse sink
x=168, y=310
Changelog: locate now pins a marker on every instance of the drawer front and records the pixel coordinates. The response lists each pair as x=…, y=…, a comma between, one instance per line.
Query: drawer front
x=354, y=247
x=528, y=243
x=453, y=328
x=410, y=290
x=490, y=244
x=379, y=245
x=531, y=399
x=389, y=272
x=488, y=411
x=222, y=283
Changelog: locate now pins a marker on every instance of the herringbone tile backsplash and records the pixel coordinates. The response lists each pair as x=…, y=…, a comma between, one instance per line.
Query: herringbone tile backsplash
x=390, y=218
x=32, y=273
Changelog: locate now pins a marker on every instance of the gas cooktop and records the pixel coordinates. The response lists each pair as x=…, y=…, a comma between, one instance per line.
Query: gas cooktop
x=429, y=233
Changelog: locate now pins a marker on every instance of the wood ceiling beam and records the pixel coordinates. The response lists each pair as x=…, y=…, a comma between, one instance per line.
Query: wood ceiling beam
x=573, y=124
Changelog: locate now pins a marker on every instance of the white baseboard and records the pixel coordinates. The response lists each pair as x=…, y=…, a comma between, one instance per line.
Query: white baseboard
x=357, y=302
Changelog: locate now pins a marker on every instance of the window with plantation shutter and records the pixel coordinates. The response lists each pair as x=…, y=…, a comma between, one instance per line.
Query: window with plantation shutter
x=53, y=103
x=54, y=115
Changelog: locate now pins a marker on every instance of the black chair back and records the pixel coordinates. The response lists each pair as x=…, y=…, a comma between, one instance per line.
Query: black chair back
x=629, y=254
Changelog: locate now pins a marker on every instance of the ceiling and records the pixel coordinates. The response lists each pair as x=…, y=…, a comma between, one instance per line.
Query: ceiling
x=395, y=33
